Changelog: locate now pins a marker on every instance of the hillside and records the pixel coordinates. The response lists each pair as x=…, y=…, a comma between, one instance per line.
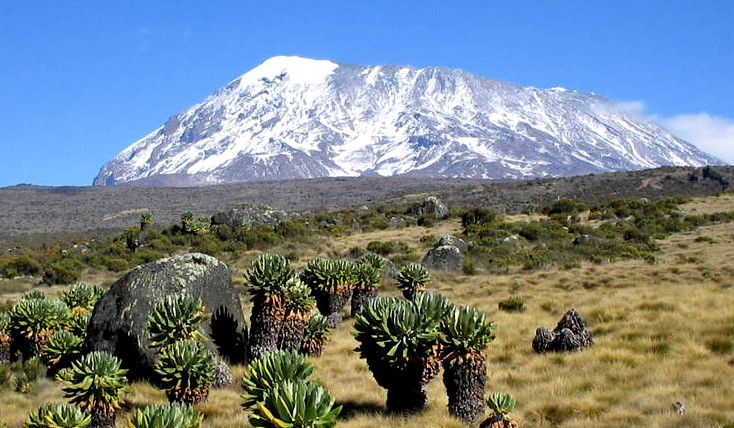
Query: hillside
x=69, y=211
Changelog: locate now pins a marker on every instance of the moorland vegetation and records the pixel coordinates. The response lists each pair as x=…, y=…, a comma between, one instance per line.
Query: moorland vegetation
x=651, y=276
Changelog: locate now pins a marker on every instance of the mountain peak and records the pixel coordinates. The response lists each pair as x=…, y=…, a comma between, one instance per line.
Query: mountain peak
x=295, y=69
x=293, y=117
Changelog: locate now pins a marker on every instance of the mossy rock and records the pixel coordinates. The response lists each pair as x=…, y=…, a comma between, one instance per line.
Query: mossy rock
x=119, y=321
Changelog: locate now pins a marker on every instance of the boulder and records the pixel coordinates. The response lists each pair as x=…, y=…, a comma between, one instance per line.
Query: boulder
x=452, y=241
x=581, y=240
x=543, y=340
x=431, y=206
x=248, y=215
x=445, y=257
x=397, y=222
x=119, y=321
x=570, y=334
x=511, y=241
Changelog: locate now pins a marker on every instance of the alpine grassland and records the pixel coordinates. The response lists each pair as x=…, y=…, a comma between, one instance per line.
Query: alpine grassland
x=653, y=279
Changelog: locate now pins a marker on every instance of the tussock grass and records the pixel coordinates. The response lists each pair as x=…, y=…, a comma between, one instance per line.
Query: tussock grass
x=663, y=332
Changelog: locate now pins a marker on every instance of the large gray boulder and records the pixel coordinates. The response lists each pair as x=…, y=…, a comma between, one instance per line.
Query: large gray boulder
x=118, y=323
x=452, y=241
x=445, y=257
x=431, y=206
x=250, y=215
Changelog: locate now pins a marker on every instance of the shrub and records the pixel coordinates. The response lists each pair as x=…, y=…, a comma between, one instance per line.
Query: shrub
x=95, y=383
x=468, y=267
x=381, y=248
x=479, y=215
x=58, y=416
x=19, y=265
x=82, y=296
x=171, y=415
x=185, y=371
x=512, y=304
x=271, y=368
x=721, y=346
x=6, y=375
x=565, y=206
x=174, y=318
x=296, y=404
x=115, y=264
x=33, y=368
x=146, y=255
x=64, y=271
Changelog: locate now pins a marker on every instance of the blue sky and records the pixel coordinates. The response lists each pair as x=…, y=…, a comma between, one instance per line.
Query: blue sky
x=82, y=80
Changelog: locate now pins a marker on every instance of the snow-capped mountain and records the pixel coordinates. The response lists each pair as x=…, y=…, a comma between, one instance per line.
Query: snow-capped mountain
x=294, y=117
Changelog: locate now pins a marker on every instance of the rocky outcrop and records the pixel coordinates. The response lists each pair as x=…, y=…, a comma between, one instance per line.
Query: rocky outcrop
x=119, y=321
x=569, y=335
x=452, y=241
x=430, y=207
x=248, y=215
x=446, y=254
x=445, y=257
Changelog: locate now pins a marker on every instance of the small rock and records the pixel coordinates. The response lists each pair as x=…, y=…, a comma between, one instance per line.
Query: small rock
x=583, y=239
x=510, y=240
x=222, y=375
x=397, y=222
x=678, y=407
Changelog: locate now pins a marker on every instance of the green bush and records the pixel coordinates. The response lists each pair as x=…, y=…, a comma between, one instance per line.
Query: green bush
x=474, y=216
x=293, y=229
x=64, y=271
x=224, y=232
x=381, y=248
x=6, y=375
x=259, y=237
x=115, y=264
x=468, y=267
x=19, y=265
x=146, y=255
x=721, y=346
x=206, y=244
x=512, y=304
x=564, y=206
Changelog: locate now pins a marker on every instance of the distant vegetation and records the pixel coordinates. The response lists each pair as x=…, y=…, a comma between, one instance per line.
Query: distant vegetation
x=618, y=230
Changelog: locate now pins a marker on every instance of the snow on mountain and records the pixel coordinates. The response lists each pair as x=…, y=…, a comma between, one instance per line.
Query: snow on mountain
x=294, y=117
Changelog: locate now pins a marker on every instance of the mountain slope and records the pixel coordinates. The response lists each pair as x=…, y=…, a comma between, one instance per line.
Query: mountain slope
x=294, y=117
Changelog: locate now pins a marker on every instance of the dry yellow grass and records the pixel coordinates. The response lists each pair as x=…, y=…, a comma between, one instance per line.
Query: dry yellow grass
x=663, y=333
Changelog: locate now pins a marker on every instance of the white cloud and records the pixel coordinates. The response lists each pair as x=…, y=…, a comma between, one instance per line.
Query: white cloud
x=712, y=134
x=631, y=107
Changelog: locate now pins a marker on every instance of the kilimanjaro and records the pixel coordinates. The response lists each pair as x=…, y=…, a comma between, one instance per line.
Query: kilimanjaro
x=294, y=117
